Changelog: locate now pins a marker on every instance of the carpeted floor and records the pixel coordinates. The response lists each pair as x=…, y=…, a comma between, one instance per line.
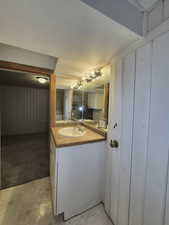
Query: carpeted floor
x=24, y=158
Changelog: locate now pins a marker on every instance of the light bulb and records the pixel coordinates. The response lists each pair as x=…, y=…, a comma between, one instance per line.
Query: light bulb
x=42, y=80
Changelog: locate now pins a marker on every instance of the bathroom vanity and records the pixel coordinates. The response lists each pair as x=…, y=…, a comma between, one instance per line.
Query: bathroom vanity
x=76, y=171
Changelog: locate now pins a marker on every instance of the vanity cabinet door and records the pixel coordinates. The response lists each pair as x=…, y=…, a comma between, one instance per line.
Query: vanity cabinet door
x=81, y=177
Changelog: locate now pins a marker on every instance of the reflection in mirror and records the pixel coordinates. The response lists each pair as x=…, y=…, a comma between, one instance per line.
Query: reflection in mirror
x=63, y=104
x=90, y=105
x=94, y=103
x=77, y=105
x=84, y=98
x=60, y=96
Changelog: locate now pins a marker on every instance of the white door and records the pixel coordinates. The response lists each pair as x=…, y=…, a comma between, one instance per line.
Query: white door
x=120, y=129
x=111, y=122
x=114, y=134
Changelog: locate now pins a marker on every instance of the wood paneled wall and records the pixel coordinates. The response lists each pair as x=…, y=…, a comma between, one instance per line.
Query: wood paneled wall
x=24, y=110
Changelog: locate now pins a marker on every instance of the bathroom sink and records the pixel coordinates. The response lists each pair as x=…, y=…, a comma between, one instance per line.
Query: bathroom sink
x=72, y=132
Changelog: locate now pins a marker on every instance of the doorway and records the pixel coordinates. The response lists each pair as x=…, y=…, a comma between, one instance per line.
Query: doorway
x=24, y=127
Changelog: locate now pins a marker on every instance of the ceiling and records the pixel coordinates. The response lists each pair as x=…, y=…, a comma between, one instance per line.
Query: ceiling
x=21, y=79
x=80, y=36
x=145, y=5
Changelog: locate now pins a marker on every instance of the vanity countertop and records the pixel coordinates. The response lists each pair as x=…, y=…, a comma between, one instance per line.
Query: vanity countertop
x=88, y=137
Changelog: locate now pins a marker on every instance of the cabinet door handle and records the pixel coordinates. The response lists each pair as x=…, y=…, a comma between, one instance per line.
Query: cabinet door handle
x=114, y=144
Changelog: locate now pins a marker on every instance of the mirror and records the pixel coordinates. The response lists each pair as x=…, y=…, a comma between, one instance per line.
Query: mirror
x=84, y=99
x=90, y=106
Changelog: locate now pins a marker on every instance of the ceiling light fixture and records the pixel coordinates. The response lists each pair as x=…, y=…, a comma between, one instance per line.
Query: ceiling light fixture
x=42, y=80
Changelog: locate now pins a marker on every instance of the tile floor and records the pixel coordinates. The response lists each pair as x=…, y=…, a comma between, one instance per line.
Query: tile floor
x=30, y=204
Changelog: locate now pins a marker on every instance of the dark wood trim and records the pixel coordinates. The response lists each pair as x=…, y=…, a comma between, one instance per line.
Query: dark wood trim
x=52, y=100
x=25, y=68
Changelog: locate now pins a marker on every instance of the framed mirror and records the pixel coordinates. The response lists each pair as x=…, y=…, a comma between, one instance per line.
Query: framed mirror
x=86, y=102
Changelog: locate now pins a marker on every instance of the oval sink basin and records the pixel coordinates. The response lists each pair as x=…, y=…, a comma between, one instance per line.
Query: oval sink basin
x=71, y=132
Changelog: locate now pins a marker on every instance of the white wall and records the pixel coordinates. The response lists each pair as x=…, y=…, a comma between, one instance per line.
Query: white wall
x=22, y=56
x=24, y=110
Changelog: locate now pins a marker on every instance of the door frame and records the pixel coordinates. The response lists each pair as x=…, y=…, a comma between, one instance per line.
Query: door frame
x=6, y=65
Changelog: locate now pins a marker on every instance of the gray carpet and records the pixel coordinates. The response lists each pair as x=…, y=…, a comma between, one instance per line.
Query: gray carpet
x=24, y=158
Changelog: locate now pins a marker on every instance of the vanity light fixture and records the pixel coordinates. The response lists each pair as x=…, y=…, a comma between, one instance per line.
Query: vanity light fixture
x=95, y=75
x=73, y=86
x=42, y=80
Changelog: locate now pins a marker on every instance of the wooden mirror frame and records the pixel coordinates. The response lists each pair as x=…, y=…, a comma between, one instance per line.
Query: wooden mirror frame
x=106, y=102
x=5, y=65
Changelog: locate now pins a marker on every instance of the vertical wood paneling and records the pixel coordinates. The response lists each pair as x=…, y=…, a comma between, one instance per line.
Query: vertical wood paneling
x=25, y=110
x=140, y=133
x=155, y=192
x=128, y=80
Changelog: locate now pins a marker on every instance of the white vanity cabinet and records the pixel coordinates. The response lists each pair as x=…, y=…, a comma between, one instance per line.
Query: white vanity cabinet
x=77, y=177
x=53, y=174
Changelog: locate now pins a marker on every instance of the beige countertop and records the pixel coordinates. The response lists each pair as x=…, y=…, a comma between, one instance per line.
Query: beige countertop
x=88, y=137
